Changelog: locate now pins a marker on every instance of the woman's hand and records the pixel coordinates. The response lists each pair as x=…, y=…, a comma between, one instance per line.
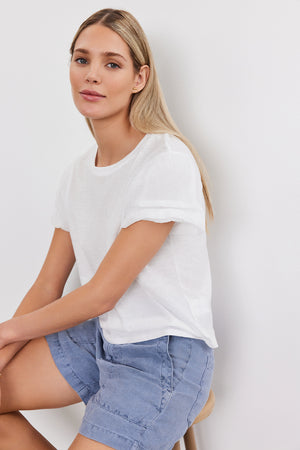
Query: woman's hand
x=5, y=357
x=7, y=353
x=6, y=333
x=0, y=388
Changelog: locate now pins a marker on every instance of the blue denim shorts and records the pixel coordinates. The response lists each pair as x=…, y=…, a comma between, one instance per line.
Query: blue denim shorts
x=142, y=395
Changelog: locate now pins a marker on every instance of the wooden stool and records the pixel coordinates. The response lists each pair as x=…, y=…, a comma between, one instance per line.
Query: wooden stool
x=189, y=437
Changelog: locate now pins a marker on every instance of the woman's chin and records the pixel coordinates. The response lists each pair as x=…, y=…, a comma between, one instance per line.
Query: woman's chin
x=89, y=114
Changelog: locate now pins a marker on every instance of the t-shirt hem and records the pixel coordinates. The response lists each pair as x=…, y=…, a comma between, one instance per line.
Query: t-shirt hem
x=160, y=216
x=133, y=338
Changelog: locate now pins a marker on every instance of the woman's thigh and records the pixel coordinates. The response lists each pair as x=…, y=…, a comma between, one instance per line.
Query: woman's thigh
x=31, y=380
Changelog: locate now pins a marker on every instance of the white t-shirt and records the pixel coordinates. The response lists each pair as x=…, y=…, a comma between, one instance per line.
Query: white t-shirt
x=158, y=180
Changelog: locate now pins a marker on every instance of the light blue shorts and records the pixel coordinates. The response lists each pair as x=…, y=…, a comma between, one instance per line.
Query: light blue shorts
x=142, y=395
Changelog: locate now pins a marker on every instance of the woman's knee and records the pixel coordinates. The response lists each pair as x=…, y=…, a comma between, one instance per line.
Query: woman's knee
x=31, y=380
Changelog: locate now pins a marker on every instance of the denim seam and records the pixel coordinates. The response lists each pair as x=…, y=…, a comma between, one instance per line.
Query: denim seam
x=115, y=413
x=76, y=341
x=200, y=390
x=150, y=425
x=166, y=392
x=73, y=373
x=166, y=382
x=184, y=368
x=101, y=428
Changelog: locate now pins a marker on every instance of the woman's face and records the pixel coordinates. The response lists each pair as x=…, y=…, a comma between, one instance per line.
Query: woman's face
x=96, y=68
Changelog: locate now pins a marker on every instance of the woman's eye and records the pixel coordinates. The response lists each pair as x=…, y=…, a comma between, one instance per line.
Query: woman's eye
x=79, y=59
x=113, y=64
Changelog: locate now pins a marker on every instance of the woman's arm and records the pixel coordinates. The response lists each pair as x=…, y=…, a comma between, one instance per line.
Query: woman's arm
x=37, y=296
x=132, y=249
x=78, y=306
x=48, y=286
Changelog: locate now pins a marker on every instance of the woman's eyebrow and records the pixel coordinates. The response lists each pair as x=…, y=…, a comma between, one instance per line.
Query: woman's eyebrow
x=83, y=50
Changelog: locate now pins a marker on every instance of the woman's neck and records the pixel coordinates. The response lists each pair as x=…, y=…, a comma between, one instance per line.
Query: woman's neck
x=115, y=140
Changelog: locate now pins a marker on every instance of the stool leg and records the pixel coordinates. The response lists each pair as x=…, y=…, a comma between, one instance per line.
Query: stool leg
x=177, y=446
x=189, y=439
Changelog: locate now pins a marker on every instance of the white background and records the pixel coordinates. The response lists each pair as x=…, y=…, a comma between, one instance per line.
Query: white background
x=230, y=73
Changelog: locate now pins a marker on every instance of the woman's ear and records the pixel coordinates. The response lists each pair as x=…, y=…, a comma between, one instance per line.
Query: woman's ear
x=141, y=78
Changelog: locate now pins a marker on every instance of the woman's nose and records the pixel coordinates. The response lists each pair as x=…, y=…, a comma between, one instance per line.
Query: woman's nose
x=94, y=74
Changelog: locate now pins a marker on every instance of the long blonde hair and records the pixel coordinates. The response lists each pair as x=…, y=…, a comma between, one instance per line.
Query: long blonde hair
x=148, y=110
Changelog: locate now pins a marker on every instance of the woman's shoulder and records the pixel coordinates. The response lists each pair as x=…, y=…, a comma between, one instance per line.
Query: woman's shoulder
x=164, y=156
x=166, y=146
x=167, y=142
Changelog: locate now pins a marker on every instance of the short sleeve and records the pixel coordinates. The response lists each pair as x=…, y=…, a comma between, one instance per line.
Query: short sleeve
x=168, y=188
x=59, y=216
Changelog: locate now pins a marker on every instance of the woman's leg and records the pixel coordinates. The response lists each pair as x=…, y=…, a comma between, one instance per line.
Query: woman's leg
x=30, y=381
x=25, y=436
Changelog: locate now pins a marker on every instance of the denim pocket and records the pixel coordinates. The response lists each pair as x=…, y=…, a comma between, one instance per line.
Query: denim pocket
x=135, y=380
x=204, y=387
x=179, y=352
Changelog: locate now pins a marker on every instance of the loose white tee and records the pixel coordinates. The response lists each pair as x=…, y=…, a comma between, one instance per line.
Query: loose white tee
x=158, y=180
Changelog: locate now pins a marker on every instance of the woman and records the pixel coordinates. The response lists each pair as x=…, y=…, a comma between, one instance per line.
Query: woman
x=135, y=341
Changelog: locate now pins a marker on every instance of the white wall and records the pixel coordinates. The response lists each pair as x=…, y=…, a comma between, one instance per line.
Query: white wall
x=230, y=72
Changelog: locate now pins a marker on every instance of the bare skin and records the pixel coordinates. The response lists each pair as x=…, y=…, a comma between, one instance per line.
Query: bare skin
x=114, y=78
x=31, y=381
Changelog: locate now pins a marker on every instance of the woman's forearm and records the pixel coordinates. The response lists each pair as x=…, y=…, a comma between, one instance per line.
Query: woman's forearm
x=78, y=306
x=37, y=297
x=9, y=351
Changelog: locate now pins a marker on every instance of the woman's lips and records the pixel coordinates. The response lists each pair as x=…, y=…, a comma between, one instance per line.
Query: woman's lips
x=92, y=98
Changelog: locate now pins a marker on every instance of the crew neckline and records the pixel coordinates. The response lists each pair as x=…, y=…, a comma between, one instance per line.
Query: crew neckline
x=104, y=170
